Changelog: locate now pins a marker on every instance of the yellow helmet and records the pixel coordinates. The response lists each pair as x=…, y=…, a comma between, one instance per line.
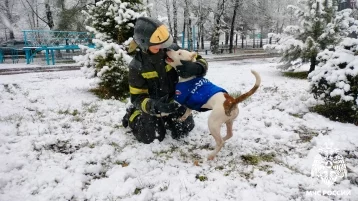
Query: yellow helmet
x=149, y=31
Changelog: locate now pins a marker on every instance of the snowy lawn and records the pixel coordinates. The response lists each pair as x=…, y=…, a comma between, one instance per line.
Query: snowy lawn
x=59, y=142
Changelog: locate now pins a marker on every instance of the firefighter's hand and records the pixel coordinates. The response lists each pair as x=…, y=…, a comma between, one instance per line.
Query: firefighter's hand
x=161, y=106
x=189, y=69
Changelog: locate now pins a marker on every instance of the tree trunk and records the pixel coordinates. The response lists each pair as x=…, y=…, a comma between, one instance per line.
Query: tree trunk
x=190, y=35
x=37, y=11
x=242, y=41
x=261, y=33
x=199, y=39
x=253, y=38
x=9, y=19
x=148, y=9
x=169, y=16
x=277, y=28
x=236, y=38
x=226, y=38
x=313, y=63
x=190, y=29
x=184, y=29
x=202, y=36
x=49, y=15
x=175, y=21
x=233, y=26
x=214, y=43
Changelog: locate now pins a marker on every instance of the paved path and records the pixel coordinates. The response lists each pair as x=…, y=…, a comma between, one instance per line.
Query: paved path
x=25, y=69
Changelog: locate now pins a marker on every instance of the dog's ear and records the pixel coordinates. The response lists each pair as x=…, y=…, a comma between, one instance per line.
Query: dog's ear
x=193, y=56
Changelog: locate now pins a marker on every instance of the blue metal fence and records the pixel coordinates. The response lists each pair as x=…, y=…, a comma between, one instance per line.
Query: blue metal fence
x=1, y=56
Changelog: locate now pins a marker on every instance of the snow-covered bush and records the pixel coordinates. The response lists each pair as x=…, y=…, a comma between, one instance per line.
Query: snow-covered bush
x=320, y=27
x=335, y=81
x=112, y=23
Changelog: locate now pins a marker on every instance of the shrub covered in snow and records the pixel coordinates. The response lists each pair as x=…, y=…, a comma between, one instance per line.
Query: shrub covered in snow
x=335, y=81
x=112, y=23
x=320, y=27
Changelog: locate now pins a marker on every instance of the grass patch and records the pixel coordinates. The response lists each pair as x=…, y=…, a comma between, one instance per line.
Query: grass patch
x=201, y=177
x=103, y=93
x=251, y=159
x=137, y=191
x=92, y=108
x=69, y=112
x=297, y=115
x=77, y=119
x=122, y=163
x=114, y=144
x=297, y=75
x=100, y=92
x=219, y=167
x=306, y=134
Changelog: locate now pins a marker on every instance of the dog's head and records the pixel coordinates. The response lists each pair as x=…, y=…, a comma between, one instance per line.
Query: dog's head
x=174, y=57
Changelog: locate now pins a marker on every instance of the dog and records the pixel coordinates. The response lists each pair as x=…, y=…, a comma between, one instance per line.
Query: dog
x=224, y=108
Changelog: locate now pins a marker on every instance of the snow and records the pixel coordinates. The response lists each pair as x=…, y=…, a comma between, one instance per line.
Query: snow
x=60, y=142
x=5, y=66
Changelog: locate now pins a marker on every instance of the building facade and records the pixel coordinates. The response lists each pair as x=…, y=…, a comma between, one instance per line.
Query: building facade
x=343, y=4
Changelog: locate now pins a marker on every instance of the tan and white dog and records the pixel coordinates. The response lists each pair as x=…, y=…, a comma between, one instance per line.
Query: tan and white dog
x=224, y=107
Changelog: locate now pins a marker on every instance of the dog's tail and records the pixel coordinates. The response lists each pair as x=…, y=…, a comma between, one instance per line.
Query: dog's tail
x=231, y=102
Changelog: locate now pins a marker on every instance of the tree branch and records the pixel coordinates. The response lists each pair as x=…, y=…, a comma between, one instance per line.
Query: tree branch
x=32, y=9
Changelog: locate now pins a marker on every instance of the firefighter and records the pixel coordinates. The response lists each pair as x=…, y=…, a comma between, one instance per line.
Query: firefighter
x=152, y=84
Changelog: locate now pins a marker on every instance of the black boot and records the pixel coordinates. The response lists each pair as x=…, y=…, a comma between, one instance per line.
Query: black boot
x=129, y=112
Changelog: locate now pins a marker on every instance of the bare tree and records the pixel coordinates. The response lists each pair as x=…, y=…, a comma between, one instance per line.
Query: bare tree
x=8, y=17
x=49, y=14
x=184, y=27
x=148, y=9
x=48, y=20
x=214, y=44
x=236, y=6
x=201, y=12
x=175, y=21
x=70, y=18
x=167, y=4
x=188, y=23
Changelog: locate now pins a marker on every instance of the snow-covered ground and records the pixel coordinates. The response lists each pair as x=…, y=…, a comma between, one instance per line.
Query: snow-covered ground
x=59, y=142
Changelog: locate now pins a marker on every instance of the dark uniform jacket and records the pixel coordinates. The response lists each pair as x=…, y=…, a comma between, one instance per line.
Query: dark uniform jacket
x=151, y=78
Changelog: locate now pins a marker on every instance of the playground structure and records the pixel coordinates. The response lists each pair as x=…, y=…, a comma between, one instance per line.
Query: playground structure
x=52, y=44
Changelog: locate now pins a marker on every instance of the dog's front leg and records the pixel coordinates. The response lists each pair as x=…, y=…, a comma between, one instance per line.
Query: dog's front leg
x=186, y=115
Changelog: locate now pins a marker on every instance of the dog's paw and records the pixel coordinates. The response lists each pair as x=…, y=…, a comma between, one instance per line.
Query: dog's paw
x=196, y=163
x=211, y=157
x=181, y=119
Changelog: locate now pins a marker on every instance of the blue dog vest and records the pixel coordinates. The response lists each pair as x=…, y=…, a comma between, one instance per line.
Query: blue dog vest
x=196, y=92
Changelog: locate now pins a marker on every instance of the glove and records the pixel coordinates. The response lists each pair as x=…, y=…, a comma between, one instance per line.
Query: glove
x=189, y=69
x=160, y=106
x=125, y=119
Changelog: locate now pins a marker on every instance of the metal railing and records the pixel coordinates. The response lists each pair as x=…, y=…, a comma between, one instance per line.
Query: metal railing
x=41, y=38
